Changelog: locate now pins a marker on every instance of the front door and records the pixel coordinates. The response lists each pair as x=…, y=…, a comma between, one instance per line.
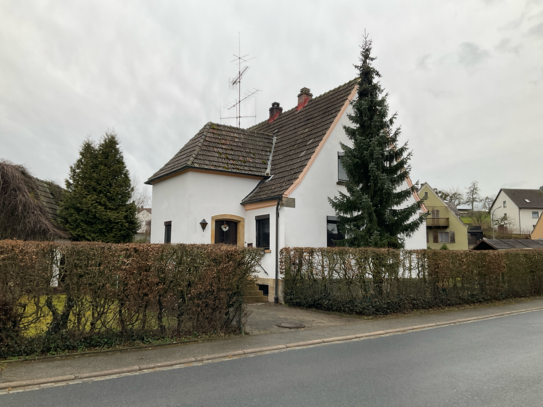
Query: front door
x=226, y=231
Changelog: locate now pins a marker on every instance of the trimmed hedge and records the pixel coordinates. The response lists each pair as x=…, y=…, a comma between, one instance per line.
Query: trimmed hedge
x=381, y=281
x=109, y=294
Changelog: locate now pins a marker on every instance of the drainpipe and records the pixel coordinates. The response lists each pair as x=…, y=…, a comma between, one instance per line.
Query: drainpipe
x=276, y=298
x=519, y=223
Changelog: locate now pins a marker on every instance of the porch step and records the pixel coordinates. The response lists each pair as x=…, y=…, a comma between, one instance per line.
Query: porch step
x=254, y=295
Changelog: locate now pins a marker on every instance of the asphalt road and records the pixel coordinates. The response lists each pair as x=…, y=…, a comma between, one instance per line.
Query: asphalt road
x=496, y=362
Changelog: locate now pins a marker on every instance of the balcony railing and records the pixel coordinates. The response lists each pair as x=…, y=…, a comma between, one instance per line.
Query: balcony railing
x=437, y=222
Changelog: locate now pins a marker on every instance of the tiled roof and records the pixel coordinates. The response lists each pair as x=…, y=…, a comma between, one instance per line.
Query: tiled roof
x=222, y=148
x=453, y=208
x=504, y=244
x=520, y=197
x=299, y=133
x=51, y=207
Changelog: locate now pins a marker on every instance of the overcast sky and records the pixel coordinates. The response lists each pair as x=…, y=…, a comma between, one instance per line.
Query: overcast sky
x=465, y=77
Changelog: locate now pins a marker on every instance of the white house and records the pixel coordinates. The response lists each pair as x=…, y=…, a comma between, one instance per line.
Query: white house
x=266, y=186
x=521, y=208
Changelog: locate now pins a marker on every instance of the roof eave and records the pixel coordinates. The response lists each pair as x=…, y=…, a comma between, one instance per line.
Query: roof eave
x=152, y=181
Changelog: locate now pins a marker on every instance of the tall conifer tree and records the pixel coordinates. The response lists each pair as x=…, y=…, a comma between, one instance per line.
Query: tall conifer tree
x=373, y=212
x=97, y=204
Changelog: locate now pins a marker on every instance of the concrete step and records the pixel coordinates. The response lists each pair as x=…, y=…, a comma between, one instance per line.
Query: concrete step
x=255, y=299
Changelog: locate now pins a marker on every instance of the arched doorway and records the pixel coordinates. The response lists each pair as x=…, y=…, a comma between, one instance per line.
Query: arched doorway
x=228, y=229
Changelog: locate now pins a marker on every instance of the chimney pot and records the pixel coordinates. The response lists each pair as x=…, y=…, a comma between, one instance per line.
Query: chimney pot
x=304, y=97
x=275, y=111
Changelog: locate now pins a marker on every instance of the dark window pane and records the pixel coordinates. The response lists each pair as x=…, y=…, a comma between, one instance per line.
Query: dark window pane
x=333, y=233
x=263, y=233
x=168, y=233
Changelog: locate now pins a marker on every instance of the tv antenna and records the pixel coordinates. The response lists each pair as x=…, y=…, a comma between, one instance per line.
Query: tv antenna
x=236, y=84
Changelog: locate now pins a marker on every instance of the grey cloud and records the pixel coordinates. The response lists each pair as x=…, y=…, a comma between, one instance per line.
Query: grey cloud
x=422, y=61
x=536, y=31
x=506, y=45
x=156, y=73
x=471, y=55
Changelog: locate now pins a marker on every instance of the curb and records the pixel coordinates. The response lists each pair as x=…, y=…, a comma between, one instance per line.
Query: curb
x=187, y=362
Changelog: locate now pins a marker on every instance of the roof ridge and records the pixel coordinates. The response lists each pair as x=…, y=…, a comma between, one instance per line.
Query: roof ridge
x=312, y=99
x=248, y=130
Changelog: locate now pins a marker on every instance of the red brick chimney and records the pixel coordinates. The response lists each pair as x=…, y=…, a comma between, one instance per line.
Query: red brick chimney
x=304, y=97
x=275, y=111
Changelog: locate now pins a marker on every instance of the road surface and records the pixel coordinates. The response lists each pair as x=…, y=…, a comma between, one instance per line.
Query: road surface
x=495, y=362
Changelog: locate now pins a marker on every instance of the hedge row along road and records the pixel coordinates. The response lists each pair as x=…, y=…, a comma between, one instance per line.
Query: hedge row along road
x=57, y=297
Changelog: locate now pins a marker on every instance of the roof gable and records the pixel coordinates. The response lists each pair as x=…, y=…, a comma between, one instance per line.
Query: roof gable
x=523, y=198
x=449, y=205
x=222, y=148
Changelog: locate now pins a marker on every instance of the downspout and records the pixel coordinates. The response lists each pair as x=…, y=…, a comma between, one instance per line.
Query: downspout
x=276, y=298
x=519, y=222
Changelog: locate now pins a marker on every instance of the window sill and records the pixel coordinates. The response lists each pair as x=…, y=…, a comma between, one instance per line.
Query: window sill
x=267, y=251
x=341, y=182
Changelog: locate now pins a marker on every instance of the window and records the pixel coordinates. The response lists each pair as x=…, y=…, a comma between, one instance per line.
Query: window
x=426, y=195
x=263, y=232
x=535, y=214
x=504, y=204
x=527, y=200
x=168, y=232
x=342, y=175
x=504, y=216
x=444, y=237
x=332, y=231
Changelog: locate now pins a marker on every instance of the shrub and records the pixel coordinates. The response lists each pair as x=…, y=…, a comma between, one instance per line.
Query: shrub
x=56, y=297
x=382, y=281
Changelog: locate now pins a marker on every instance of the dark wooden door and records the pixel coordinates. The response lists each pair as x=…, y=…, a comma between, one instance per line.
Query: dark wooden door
x=227, y=237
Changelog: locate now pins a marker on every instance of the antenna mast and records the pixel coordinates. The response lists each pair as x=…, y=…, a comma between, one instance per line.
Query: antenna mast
x=236, y=82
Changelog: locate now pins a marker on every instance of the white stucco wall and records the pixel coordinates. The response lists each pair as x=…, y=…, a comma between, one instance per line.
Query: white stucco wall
x=190, y=197
x=511, y=210
x=268, y=260
x=306, y=225
x=522, y=221
x=527, y=222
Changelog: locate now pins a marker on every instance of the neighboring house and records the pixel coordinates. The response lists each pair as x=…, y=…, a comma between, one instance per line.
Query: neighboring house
x=443, y=225
x=518, y=209
x=144, y=216
x=28, y=206
x=266, y=186
x=538, y=230
x=508, y=244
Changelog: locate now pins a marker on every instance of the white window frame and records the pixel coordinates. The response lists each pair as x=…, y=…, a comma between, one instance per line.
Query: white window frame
x=536, y=213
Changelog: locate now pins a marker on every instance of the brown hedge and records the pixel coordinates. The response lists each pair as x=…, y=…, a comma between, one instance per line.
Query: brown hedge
x=382, y=281
x=109, y=294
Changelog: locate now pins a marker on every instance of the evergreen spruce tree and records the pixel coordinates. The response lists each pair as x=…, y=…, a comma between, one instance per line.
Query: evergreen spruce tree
x=371, y=213
x=97, y=204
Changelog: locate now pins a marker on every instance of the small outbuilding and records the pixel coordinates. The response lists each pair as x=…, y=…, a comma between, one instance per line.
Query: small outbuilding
x=505, y=244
